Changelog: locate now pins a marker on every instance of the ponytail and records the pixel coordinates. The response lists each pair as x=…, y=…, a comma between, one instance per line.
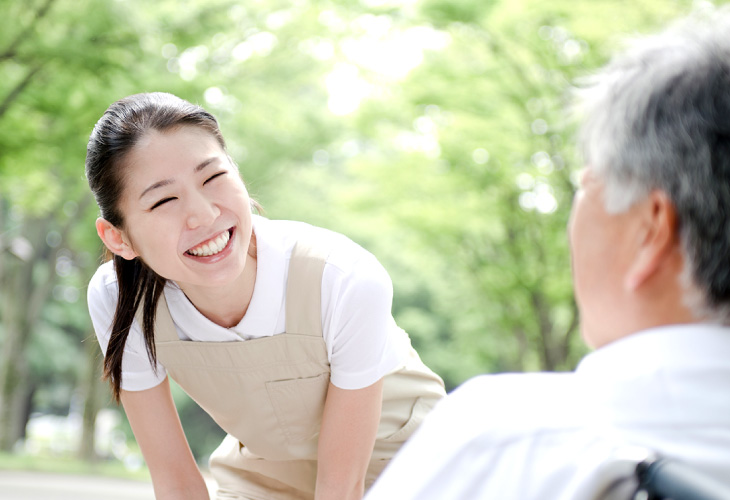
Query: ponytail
x=138, y=285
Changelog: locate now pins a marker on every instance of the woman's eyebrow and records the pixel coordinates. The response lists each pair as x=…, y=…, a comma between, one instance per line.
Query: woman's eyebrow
x=205, y=163
x=156, y=185
x=167, y=182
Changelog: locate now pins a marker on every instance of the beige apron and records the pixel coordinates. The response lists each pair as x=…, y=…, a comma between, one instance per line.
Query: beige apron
x=268, y=394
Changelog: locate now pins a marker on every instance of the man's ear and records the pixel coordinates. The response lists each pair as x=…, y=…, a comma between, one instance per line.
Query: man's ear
x=658, y=239
x=114, y=239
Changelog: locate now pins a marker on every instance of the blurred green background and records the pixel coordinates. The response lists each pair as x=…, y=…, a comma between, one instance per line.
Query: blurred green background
x=432, y=132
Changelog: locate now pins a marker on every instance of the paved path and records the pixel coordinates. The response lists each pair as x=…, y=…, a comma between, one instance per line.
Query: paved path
x=21, y=485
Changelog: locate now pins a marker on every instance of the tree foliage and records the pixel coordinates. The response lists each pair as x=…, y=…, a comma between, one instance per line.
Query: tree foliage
x=433, y=132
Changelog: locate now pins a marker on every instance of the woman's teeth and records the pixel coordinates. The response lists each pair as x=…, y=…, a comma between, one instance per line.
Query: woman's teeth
x=211, y=247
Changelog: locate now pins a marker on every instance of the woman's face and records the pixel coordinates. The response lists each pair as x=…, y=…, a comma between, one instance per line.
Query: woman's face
x=186, y=210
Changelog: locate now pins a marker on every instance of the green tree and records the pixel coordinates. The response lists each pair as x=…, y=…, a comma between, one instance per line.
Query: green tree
x=459, y=175
x=433, y=132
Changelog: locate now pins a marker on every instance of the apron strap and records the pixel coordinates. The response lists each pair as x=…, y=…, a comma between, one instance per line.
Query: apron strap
x=165, y=330
x=304, y=288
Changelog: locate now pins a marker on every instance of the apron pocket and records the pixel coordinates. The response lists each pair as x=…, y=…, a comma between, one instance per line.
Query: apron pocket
x=418, y=412
x=299, y=404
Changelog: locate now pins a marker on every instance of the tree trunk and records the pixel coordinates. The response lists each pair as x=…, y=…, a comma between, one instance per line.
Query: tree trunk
x=16, y=395
x=91, y=400
x=22, y=300
x=12, y=363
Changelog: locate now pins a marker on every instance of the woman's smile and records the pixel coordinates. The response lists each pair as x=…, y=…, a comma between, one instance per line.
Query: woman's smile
x=214, y=248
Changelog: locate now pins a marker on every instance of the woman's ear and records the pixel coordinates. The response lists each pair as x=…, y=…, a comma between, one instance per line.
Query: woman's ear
x=114, y=239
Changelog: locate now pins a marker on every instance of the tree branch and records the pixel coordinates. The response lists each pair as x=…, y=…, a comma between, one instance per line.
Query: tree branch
x=19, y=88
x=2, y=230
x=13, y=47
x=41, y=291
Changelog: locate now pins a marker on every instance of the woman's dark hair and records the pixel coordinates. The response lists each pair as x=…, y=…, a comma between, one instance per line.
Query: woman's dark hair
x=114, y=136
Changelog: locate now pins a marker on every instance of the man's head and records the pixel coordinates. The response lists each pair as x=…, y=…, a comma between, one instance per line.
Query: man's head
x=650, y=230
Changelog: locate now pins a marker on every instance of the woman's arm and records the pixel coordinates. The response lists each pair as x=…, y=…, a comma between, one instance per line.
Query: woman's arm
x=156, y=426
x=349, y=426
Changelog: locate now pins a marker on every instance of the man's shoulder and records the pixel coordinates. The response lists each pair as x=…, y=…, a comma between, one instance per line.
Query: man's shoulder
x=505, y=436
x=514, y=405
x=519, y=389
x=489, y=381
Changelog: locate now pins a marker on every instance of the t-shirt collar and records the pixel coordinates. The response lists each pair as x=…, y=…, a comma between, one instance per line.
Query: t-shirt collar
x=268, y=294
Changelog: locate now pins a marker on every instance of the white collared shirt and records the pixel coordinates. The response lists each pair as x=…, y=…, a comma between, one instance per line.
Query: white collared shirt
x=543, y=435
x=363, y=342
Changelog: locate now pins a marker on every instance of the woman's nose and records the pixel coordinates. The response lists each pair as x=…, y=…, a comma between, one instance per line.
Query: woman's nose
x=201, y=212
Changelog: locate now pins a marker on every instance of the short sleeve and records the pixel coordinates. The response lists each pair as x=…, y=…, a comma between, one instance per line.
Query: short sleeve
x=365, y=342
x=137, y=371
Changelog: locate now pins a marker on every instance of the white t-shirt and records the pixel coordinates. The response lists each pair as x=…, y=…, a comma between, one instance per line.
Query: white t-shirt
x=545, y=435
x=363, y=342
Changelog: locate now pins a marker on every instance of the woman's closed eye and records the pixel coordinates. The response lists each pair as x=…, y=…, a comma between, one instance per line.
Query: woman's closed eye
x=218, y=174
x=162, y=202
x=171, y=198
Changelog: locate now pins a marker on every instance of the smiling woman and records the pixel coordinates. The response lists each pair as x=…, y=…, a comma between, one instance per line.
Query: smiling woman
x=182, y=180
x=281, y=331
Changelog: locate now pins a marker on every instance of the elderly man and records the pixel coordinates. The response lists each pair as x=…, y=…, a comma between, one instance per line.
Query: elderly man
x=650, y=242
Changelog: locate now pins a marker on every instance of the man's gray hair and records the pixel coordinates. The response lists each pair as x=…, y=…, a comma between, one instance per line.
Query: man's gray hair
x=658, y=118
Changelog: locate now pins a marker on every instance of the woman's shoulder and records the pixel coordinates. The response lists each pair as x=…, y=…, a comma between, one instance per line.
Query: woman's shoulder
x=285, y=233
x=343, y=253
x=101, y=295
x=104, y=279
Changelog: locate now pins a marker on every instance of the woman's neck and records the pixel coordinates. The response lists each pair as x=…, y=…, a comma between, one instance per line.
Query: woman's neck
x=227, y=306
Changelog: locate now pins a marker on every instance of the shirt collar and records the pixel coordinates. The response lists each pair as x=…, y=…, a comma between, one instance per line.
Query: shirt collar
x=268, y=294
x=650, y=350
